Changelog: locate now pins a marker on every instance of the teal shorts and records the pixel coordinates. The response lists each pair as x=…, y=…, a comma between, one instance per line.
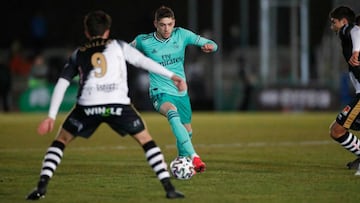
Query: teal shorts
x=182, y=103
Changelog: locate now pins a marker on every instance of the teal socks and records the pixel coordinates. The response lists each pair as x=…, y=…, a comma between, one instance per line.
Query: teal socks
x=183, y=141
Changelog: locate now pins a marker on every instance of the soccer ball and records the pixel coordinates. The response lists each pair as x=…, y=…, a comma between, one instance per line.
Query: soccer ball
x=182, y=168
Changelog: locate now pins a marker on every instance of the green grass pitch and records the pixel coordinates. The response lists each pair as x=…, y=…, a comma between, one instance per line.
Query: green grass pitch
x=251, y=157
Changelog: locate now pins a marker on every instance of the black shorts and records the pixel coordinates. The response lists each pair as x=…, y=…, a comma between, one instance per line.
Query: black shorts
x=349, y=117
x=84, y=120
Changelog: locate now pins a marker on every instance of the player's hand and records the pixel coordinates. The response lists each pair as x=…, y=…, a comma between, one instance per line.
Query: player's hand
x=179, y=82
x=354, y=60
x=207, y=48
x=46, y=126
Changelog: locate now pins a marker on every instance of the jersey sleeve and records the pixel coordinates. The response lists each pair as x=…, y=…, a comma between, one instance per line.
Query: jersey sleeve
x=355, y=36
x=70, y=69
x=197, y=40
x=136, y=43
x=68, y=73
x=136, y=58
x=57, y=97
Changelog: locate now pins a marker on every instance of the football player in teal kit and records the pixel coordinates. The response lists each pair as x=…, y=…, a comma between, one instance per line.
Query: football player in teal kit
x=167, y=47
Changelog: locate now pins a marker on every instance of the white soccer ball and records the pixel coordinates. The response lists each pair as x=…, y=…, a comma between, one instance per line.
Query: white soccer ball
x=182, y=168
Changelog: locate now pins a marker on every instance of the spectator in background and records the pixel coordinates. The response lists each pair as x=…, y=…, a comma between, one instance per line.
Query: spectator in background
x=38, y=73
x=20, y=65
x=247, y=85
x=5, y=84
x=232, y=42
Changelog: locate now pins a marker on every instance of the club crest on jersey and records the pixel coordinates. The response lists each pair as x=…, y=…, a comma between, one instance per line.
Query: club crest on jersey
x=346, y=110
x=103, y=111
x=176, y=46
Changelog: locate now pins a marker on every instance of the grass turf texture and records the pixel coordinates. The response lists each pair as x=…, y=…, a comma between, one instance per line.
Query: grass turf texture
x=251, y=157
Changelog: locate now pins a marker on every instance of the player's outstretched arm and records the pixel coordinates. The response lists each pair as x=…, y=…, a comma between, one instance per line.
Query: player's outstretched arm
x=46, y=126
x=179, y=83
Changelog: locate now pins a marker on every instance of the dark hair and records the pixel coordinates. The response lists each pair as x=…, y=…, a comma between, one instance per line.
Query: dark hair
x=164, y=12
x=97, y=22
x=343, y=12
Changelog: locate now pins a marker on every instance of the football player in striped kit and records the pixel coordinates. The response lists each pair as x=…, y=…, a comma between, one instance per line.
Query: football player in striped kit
x=102, y=97
x=343, y=23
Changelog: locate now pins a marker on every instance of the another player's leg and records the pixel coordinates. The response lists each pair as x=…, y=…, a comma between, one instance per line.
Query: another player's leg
x=353, y=164
x=51, y=160
x=346, y=139
x=156, y=160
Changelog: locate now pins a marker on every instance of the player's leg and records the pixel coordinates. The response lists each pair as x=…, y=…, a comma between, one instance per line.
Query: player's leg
x=183, y=141
x=76, y=124
x=156, y=160
x=182, y=136
x=131, y=123
x=51, y=160
x=347, y=140
x=339, y=129
x=182, y=151
x=184, y=108
x=163, y=103
x=353, y=164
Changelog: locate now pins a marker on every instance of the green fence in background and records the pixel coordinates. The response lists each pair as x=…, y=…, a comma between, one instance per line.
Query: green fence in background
x=38, y=99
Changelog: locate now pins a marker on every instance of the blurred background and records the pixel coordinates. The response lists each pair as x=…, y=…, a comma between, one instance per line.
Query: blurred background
x=273, y=54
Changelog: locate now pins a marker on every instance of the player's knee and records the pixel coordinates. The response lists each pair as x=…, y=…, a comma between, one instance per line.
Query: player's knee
x=336, y=130
x=143, y=137
x=64, y=137
x=167, y=106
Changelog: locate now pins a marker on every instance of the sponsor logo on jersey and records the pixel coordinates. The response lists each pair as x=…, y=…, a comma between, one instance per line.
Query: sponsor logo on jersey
x=107, y=87
x=168, y=60
x=103, y=111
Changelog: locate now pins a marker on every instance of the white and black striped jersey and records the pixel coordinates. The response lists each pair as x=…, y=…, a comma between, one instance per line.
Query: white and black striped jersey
x=350, y=41
x=101, y=66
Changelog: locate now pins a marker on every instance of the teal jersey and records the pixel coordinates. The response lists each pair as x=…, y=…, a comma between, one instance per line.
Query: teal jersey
x=169, y=53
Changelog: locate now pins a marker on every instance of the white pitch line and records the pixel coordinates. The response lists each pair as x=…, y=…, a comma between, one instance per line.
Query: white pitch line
x=233, y=145
x=261, y=144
